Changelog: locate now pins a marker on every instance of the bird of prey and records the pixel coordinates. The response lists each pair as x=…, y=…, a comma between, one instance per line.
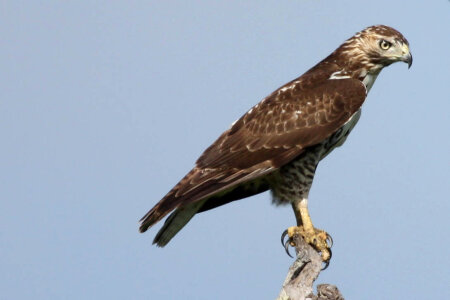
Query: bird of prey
x=278, y=143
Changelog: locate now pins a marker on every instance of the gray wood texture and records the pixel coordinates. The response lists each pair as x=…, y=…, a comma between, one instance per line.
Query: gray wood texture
x=299, y=281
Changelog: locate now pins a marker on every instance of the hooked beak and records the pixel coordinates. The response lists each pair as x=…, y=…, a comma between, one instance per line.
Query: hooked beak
x=406, y=55
x=409, y=60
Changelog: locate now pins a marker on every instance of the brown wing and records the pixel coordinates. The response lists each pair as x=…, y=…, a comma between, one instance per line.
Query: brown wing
x=300, y=114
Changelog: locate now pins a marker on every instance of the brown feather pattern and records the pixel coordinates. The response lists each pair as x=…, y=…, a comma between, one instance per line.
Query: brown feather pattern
x=299, y=115
x=296, y=116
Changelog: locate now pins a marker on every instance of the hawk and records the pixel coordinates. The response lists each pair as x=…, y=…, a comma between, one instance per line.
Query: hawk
x=278, y=143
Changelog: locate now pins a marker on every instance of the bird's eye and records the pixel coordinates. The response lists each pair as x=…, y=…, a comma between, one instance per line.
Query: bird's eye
x=385, y=44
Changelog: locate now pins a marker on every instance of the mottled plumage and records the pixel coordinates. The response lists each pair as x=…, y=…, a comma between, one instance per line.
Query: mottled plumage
x=278, y=143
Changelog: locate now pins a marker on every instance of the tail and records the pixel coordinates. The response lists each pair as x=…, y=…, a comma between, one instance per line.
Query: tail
x=200, y=190
x=174, y=223
x=186, y=198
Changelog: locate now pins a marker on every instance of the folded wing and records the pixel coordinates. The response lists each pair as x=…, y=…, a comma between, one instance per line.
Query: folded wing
x=300, y=114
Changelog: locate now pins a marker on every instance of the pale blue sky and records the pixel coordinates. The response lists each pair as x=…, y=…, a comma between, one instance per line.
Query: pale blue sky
x=105, y=105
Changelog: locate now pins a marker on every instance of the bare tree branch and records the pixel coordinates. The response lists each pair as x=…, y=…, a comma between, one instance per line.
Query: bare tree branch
x=298, y=284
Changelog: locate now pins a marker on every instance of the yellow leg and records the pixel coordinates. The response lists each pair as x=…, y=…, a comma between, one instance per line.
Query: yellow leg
x=317, y=238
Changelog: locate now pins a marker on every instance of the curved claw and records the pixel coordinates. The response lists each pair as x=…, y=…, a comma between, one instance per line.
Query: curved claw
x=283, y=235
x=329, y=241
x=286, y=243
x=286, y=247
x=327, y=263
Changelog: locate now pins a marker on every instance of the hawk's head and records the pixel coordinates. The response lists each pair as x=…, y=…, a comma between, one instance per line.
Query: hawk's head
x=374, y=48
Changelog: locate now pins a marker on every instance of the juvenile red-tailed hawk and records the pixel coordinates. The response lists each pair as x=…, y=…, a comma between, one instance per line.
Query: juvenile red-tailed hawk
x=278, y=143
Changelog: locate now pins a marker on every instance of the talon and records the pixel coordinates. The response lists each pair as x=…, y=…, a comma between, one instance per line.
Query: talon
x=327, y=262
x=317, y=238
x=283, y=235
x=286, y=243
x=329, y=241
x=286, y=247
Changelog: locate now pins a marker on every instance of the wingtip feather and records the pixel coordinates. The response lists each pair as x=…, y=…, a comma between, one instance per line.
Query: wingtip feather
x=149, y=220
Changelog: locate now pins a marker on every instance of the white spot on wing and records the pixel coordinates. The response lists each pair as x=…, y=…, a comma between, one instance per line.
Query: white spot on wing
x=339, y=75
x=283, y=89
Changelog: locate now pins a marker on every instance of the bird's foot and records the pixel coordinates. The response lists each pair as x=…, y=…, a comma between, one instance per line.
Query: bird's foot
x=319, y=239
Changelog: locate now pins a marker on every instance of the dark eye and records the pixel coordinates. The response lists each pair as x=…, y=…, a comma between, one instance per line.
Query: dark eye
x=385, y=44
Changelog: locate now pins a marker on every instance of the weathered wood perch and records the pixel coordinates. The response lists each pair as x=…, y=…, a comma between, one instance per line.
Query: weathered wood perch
x=298, y=284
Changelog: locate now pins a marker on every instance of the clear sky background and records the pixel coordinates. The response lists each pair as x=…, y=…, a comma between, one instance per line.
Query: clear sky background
x=105, y=105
